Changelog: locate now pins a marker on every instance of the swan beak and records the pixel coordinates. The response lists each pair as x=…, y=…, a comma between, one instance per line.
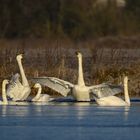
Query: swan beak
x=8, y=81
x=32, y=87
x=77, y=52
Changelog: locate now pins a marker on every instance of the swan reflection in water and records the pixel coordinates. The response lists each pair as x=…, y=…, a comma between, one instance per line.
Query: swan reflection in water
x=80, y=109
x=23, y=108
x=15, y=108
x=126, y=112
x=114, y=111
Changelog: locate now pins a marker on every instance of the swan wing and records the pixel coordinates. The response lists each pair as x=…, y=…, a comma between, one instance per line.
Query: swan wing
x=105, y=90
x=58, y=85
x=14, y=87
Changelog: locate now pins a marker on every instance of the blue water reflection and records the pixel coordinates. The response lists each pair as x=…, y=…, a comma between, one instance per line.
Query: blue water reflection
x=62, y=120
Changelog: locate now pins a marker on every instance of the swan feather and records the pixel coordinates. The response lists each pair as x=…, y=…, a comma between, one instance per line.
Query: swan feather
x=14, y=87
x=105, y=90
x=60, y=86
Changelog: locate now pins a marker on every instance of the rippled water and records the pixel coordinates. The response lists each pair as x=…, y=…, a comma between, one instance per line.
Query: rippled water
x=69, y=121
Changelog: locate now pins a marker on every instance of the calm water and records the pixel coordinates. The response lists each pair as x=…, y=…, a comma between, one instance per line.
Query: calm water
x=69, y=121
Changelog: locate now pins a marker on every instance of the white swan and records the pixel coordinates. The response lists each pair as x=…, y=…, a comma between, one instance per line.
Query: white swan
x=17, y=90
x=80, y=91
x=4, y=97
x=5, y=101
x=40, y=97
x=116, y=101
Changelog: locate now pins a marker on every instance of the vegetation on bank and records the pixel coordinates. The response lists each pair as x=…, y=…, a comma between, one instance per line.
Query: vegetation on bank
x=104, y=59
x=49, y=32
x=73, y=19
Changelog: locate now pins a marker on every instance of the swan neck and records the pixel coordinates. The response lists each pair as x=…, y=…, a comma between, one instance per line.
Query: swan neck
x=80, y=73
x=126, y=94
x=4, y=97
x=39, y=90
x=24, y=79
x=38, y=94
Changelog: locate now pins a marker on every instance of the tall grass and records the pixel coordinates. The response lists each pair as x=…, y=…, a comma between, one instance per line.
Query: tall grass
x=104, y=59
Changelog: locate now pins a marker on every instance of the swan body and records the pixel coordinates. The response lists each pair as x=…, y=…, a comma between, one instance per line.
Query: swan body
x=116, y=101
x=40, y=97
x=111, y=101
x=80, y=91
x=4, y=97
x=17, y=90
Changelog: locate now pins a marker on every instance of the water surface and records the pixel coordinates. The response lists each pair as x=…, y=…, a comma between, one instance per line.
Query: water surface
x=69, y=121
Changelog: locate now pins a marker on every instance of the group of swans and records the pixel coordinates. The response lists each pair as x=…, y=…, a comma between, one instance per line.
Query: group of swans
x=102, y=93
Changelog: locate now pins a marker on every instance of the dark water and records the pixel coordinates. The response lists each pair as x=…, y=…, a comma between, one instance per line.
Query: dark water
x=69, y=121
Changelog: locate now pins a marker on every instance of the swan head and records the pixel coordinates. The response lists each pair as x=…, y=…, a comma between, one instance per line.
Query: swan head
x=5, y=81
x=79, y=54
x=37, y=85
x=19, y=57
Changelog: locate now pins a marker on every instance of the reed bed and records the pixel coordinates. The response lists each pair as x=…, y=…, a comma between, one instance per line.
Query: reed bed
x=104, y=60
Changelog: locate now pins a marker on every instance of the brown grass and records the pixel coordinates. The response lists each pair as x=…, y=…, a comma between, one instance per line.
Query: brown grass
x=105, y=59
